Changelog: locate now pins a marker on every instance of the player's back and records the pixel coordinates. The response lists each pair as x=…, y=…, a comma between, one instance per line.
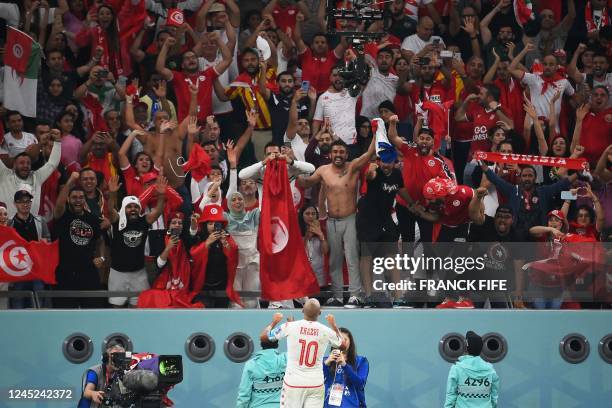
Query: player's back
x=306, y=344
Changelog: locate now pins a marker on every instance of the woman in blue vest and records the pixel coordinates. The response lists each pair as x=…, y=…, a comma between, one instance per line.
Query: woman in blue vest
x=345, y=374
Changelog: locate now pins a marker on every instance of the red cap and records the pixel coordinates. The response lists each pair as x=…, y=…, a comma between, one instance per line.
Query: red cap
x=435, y=189
x=557, y=213
x=212, y=213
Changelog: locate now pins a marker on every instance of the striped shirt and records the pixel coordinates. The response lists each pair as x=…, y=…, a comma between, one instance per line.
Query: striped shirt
x=247, y=89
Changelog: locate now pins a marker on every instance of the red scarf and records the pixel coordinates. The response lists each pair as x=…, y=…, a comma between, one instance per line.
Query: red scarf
x=590, y=23
x=568, y=163
x=550, y=81
x=173, y=200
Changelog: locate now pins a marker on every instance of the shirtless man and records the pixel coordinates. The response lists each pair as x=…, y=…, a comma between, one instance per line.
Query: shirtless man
x=340, y=179
x=167, y=137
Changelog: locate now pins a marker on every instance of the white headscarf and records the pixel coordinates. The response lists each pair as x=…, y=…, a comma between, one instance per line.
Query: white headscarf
x=122, y=217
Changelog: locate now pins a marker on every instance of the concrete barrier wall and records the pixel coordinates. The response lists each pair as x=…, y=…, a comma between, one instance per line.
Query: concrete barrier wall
x=406, y=369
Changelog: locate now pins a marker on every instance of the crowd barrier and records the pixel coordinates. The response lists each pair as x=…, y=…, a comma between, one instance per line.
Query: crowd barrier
x=547, y=359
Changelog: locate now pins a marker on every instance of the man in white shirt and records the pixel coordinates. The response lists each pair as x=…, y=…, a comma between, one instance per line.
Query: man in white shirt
x=382, y=85
x=544, y=87
x=338, y=107
x=307, y=341
x=16, y=140
x=423, y=42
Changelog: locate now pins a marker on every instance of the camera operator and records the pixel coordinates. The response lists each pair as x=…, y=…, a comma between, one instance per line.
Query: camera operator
x=96, y=378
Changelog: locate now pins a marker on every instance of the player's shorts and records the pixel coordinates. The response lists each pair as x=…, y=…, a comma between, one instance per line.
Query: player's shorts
x=299, y=397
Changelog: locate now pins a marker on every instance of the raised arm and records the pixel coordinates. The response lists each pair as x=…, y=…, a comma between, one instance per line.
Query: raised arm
x=461, y=114
x=160, y=64
x=54, y=158
x=113, y=188
x=245, y=138
x=297, y=34
x=490, y=75
x=601, y=170
x=476, y=206
x=572, y=68
x=581, y=113
x=293, y=113
x=62, y=197
x=362, y=160
x=234, y=13
x=266, y=332
x=160, y=186
x=392, y=133
x=531, y=112
x=226, y=54
x=124, y=161
x=310, y=181
x=485, y=32
x=514, y=65
x=568, y=20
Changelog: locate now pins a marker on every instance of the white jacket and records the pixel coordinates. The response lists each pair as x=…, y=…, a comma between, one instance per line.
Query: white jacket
x=9, y=182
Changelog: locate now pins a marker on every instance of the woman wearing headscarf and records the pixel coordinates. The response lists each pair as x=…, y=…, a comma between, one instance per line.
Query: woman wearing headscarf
x=242, y=226
x=50, y=99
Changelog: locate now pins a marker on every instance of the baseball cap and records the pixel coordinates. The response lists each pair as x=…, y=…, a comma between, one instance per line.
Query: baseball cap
x=23, y=191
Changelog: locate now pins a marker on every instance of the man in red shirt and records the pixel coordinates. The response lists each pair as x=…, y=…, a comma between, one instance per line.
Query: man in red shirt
x=284, y=12
x=318, y=60
x=594, y=125
x=420, y=164
x=483, y=116
x=191, y=74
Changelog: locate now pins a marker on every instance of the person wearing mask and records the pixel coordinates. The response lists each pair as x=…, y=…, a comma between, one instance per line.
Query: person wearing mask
x=472, y=382
x=345, y=375
x=262, y=378
x=31, y=228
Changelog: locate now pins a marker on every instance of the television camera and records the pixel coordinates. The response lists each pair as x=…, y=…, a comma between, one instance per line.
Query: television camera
x=142, y=386
x=356, y=73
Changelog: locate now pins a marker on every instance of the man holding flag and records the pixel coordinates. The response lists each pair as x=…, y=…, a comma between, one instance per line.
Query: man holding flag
x=22, y=65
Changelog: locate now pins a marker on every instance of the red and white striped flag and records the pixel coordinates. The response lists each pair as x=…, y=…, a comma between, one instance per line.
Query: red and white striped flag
x=523, y=10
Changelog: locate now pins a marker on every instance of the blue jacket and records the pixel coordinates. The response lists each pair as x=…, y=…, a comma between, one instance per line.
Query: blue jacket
x=354, y=380
x=514, y=194
x=262, y=380
x=472, y=383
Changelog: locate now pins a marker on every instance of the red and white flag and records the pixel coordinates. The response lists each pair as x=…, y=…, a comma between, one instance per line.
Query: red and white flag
x=21, y=260
x=523, y=10
x=285, y=271
x=22, y=66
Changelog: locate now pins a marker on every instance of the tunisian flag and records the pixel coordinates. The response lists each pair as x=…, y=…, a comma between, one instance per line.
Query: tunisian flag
x=285, y=272
x=21, y=260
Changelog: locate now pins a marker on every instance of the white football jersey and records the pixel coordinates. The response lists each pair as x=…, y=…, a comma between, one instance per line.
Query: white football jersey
x=306, y=344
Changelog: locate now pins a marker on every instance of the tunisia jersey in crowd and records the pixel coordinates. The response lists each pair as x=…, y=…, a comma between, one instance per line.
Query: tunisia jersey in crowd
x=418, y=170
x=306, y=345
x=482, y=120
x=204, y=80
x=456, y=206
x=596, y=134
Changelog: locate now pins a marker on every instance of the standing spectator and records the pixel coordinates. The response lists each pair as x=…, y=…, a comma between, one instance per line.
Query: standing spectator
x=22, y=174
x=402, y=25
x=499, y=42
x=246, y=88
x=99, y=153
x=141, y=165
x=382, y=84
x=345, y=374
x=423, y=41
x=317, y=60
x=31, y=228
x=285, y=12
x=262, y=378
x=319, y=147
x=191, y=75
x=16, y=140
x=298, y=129
x=280, y=104
x=340, y=178
x=542, y=88
x=472, y=382
x=599, y=74
x=420, y=164
x=103, y=86
x=551, y=36
x=50, y=98
x=129, y=233
x=589, y=219
x=594, y=125
x=71, y=145
x=80, y=246
x=501, y=15
x=337, y=107
x=90, y=182
x=529, y=202
x=465, y=32
x=315, y=241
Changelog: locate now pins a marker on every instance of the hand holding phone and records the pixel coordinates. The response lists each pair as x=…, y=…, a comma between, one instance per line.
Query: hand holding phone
x=305, y=86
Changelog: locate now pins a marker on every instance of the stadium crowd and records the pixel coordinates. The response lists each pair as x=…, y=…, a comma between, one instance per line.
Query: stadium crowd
x=129, y=91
